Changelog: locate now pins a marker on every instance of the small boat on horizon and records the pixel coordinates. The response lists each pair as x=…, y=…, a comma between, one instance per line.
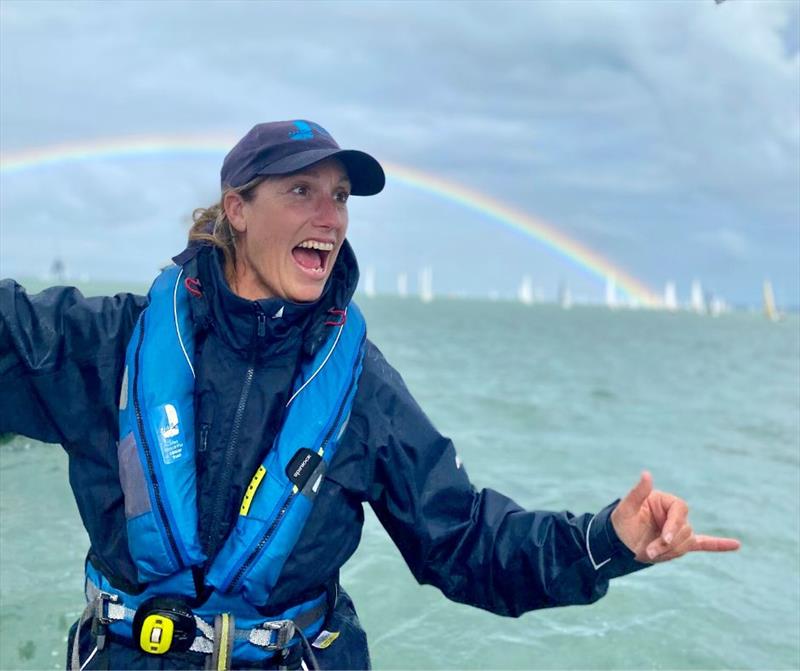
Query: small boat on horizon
x=770, y=310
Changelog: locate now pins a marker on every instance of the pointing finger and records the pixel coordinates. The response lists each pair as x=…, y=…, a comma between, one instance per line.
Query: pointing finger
x=714, y=544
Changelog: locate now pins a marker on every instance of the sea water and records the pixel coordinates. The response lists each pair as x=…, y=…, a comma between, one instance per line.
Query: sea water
x=559, y=409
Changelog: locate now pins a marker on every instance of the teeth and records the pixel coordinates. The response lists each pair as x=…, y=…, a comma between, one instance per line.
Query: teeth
x=313, y=244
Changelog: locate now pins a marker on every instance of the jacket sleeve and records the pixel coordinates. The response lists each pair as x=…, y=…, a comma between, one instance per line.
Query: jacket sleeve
x=61, y=361
x=477, y=547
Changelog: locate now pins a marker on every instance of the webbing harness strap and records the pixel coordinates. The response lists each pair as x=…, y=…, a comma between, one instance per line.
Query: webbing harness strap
x=215, y=640
x=96, y=609
x=223, y=635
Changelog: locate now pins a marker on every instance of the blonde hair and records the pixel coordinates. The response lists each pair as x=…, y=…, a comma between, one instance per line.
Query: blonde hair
x=211, y=225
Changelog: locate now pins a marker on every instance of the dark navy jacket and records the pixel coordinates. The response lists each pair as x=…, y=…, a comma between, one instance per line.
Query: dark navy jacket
x=61, y=364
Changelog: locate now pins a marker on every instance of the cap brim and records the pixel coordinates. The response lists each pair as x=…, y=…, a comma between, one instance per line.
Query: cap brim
x=366, y=174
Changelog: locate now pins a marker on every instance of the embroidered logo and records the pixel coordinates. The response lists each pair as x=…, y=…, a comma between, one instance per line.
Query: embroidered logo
x=307, y=131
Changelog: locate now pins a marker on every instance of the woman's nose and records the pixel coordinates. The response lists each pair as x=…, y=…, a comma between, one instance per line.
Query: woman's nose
x=330, y=213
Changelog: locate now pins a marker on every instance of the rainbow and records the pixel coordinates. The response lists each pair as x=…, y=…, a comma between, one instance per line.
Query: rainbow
x=217, y=145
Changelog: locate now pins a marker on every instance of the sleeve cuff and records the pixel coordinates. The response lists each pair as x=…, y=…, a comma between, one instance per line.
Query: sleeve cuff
x=602, y=542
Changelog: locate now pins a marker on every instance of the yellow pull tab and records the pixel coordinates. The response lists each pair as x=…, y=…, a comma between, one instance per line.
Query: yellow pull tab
x=156, y=634
x=325, y=638
x=251, y=490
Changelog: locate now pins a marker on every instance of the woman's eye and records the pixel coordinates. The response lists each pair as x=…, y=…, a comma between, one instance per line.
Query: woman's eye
x=300, y=190
x=342, y=196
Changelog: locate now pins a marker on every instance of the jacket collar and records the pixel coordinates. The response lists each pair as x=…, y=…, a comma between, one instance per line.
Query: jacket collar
x=283, y=322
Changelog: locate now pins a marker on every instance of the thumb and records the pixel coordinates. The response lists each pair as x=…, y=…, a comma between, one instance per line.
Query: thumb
x=636, y=497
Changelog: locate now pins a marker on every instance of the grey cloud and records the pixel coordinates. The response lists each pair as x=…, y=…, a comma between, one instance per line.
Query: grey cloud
x=652, y=116
x=730, y=242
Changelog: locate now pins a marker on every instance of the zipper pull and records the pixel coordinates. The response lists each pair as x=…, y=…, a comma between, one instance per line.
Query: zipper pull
x=262, y=324
x=203, y=437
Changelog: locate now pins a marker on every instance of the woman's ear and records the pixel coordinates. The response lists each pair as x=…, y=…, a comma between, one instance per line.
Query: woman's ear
x=233, y=205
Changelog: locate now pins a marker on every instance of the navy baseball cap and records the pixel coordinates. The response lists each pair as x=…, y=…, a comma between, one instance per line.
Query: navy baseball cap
x=283, y=147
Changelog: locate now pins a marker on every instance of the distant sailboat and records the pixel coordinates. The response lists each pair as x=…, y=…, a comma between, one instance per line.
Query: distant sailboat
x=564, y=296
x=670, y=296
x=369, y=282
x=611, y=292
x=402, y=285
x=698, y=301
x=426, y=284
x=525, y=291
x=770, y=310
x=717, y=306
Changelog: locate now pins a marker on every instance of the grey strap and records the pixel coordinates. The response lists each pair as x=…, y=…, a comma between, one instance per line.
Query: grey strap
x=95, y=608
x=88, y=612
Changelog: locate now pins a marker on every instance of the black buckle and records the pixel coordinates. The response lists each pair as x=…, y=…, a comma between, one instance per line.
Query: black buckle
x=164, y=624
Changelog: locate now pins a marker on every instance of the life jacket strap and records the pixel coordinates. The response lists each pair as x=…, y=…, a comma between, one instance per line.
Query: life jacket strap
x=215, y=639
x=97, y=610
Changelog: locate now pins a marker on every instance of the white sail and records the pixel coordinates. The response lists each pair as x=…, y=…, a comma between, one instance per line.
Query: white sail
x=697, y=300
x=426, y=284
x=564, y=297
x=525, y=291
x=611, y=292
x=369, y=282
x=402, y=285
x=670, y=296
x=716, y=306
x=770, y=311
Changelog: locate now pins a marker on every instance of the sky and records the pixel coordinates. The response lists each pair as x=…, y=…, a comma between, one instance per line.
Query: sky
x=662, y=136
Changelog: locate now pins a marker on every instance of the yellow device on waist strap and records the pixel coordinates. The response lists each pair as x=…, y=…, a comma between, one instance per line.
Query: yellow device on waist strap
x=156, y=634
x=163, y=624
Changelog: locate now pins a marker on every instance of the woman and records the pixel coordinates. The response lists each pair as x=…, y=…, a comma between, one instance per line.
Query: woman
x=224, y=433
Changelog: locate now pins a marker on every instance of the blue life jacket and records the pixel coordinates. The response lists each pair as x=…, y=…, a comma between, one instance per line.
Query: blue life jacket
x=158, y=476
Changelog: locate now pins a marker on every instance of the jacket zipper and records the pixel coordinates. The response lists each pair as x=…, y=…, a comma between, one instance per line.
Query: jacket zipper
x=148, y=455
x=251, y=558
x=222, y=490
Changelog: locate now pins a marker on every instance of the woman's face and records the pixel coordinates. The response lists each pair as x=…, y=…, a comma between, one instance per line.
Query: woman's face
x=290, y=233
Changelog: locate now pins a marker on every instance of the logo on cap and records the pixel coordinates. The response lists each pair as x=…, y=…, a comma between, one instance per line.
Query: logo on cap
x=305, y=131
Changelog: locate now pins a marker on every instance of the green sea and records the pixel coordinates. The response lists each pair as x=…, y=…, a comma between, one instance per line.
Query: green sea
x=560, y=409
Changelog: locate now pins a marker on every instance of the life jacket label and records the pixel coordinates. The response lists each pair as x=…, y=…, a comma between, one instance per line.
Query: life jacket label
x=169, y=433
x=302, y=466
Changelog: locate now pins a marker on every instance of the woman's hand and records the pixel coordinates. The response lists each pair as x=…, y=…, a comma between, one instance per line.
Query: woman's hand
x=655, y=526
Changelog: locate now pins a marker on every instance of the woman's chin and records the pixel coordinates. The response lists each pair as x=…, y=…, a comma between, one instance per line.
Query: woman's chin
x=306, y=293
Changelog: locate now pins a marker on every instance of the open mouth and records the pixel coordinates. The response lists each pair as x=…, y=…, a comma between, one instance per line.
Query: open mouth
x=312, y=256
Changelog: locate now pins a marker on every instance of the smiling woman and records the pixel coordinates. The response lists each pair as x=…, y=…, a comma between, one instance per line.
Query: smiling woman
x=288, y=232
x=257, y=227
x=225, y=431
